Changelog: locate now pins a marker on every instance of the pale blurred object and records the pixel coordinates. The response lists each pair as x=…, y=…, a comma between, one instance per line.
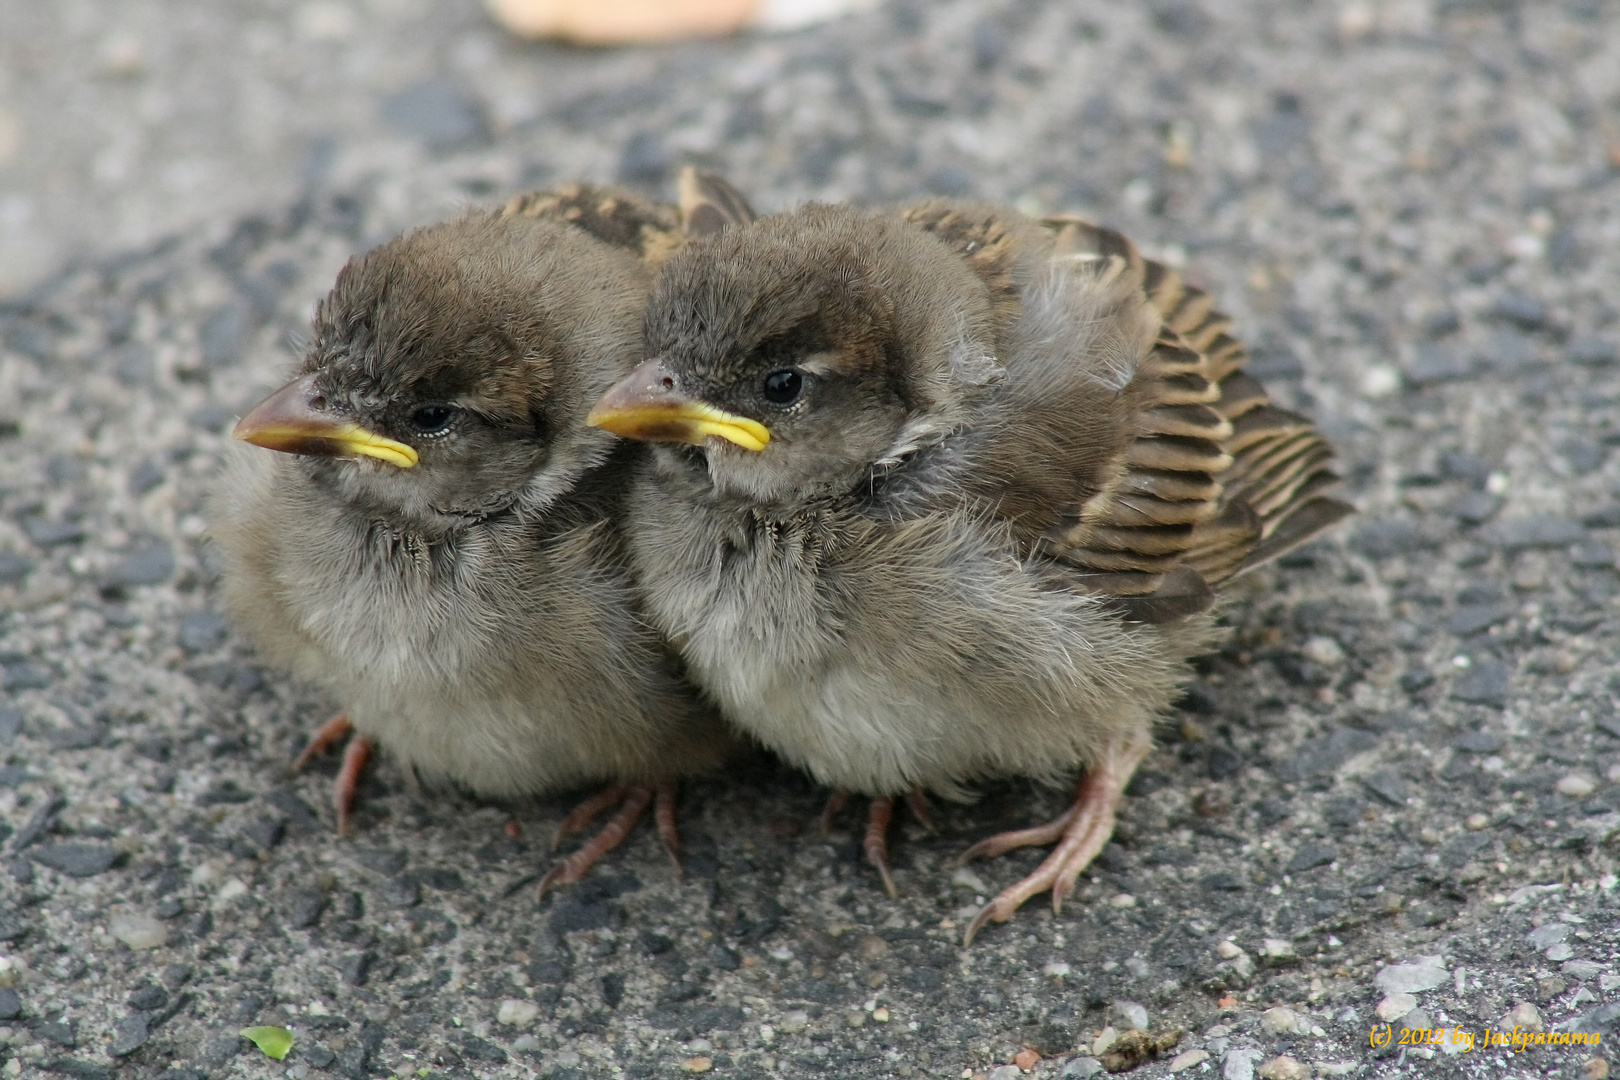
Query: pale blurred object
x=626, y=22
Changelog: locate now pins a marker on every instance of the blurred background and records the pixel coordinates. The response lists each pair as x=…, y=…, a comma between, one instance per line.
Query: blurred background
x=123, y=121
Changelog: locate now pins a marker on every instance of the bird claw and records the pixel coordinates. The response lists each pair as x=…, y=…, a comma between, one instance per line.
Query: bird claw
x=1082, y=832
x=633, y=802
x=328, y=735
x=877, y=841
x=881, y=815
x=346, y=785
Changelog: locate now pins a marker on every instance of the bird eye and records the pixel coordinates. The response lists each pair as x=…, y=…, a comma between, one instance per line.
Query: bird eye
x=783, y=387
x=431, y=419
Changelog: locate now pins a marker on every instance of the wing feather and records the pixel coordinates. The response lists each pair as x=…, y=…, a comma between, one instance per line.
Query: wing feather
x=1204, y=479
x=1214, y=478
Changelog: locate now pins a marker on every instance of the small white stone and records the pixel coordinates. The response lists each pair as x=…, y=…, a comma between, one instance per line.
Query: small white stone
x=1456, y=1041
x=1134, y=1015
x=1105, y=1038
x=1123, y=900
x=138, y=931
x=1526, y=246
x=1522, y=1015
x=793, y=1022
x=781, y=953
x=1188, y=1059
x=1277, y=949
x=700, y=1046
x=325, y=22
x=1395, y=1006
x=1057, y=969
x=526, y=1044
x=1006, y=1072
x=1425, y=974
x=516, y=1012
x=1576, y=786
x=965, y=878
x=1228, y=951
x=1280, y=1021
x=1239, y=1064
x=230, y=892
x=1324, y=651
x=1380, y=381
x=1081, y=1068
x=1356, y=20
x=1285, y=1068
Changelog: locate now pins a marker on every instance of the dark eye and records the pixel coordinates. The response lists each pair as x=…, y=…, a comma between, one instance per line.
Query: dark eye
x=783, y=387
x=431, y=419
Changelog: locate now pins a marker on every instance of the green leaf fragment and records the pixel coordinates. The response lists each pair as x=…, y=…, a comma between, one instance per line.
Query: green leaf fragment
x=274, y=1041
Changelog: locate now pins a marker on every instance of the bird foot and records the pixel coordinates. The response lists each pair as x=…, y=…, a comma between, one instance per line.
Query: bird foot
x=346, y=785
x=881, y=814
x=1082, y=831
x=632, y=802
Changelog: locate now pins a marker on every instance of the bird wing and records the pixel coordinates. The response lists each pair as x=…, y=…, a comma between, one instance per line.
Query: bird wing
x=708, y=203
x=1156, y=490
x=620, y=217
x=1216, y=479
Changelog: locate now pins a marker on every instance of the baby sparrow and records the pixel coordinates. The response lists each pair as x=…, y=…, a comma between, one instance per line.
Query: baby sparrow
x=943, y=495
x=437, y=545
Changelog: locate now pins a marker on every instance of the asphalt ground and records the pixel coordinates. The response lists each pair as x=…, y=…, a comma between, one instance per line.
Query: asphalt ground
x=1395, y=778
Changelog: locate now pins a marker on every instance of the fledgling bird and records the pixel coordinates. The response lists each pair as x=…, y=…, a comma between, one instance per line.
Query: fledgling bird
x=942, y=496
x=437, y=546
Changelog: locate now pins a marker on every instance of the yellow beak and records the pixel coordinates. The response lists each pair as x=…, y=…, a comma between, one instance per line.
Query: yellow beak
x=645, y=405
x=288, y=421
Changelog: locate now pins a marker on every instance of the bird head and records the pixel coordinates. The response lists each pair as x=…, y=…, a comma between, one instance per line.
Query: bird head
x=451, y=368
x=804, y=351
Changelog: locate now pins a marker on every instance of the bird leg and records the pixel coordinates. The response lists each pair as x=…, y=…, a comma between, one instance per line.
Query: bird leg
x=326, y=736
x=664, y=817
x=586, y=812
x=1082, y=832
x=632, y=801
x=881, y=814
x=877, y=840
x=835, y=806
x=346, y=785
x=920, y=810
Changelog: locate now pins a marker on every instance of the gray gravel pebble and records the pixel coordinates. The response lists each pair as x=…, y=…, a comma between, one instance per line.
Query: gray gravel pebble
x=151, y=564
x=129, y=1035
x=75, y=860
x=201, y=631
